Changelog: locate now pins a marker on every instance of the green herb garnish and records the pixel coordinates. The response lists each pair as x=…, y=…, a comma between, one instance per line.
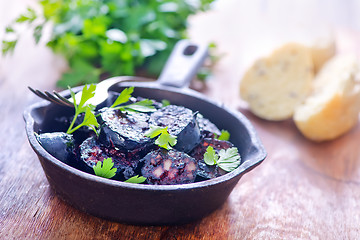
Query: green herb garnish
x=89, y=117
x=124, y=96
x=28, y=16
x=165, y=139
x=228, y=159
x=105, y=169
x=225, y=135
x=210, y=156
x=165, y=102
x=145, y=105
x=136, y=179
x=107, y=37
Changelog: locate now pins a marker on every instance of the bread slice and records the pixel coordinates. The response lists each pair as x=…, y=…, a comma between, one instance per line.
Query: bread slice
x=275, y=86
x=322, y=50
x=334, y=106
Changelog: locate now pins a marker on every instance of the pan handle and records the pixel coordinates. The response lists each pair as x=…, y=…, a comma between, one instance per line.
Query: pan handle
x=183, y=64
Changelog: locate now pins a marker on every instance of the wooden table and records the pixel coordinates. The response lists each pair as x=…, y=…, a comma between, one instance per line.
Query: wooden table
x=303, y=190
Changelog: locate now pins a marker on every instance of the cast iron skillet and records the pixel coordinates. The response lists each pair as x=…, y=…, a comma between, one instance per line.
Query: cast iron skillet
x=150, y=204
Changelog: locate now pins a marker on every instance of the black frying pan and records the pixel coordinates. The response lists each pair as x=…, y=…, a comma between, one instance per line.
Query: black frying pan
x=150, y=204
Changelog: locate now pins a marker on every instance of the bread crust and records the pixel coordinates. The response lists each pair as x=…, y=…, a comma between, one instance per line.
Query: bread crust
x=274, y=86
x=334, y=106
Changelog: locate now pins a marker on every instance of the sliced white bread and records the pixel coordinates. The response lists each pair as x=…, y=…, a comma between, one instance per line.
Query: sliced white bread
x=334, y=105
x=274, y=86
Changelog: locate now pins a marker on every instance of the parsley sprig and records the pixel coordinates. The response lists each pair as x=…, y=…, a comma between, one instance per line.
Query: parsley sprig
x=136, y=179
x=89, y=117
x=228, y=159
x=124, y=96
x=164, y=140
x=145, y=105
x=224, y=135
x=105, y=168
x=165, y=103
x=90, y=120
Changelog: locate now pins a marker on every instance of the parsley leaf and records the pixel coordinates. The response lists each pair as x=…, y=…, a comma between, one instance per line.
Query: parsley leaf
x=145, y=105
x=225, y=135
x=38, y=33
x=9, y=29
x=165, y=102
x=8, y=46
x=89, y=120
x=210, y=156
x=165, y=139
x=89, y=117
x=105, y=169
x=136, y=179
x=123, y=97
x=228, y=159
x=28, y=16
x=87, y=92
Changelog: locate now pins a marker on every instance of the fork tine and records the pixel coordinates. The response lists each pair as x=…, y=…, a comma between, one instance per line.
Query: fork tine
x=65, y=100
x=51, y=98
x=36, y=93
x=39, y=94
x=55, y=99
x=31, y=89
x=43, y=95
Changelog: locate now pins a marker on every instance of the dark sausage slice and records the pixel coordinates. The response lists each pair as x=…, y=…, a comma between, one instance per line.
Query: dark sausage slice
x=207, y=128
x=181, y=122
x=58, y=144
x=124, y=130
x=127, y=163
x=162, y=167
x=205, y=171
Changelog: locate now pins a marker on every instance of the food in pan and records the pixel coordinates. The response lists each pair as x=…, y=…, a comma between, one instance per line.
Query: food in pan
x=180, y=122
x=206, y=171
x=169, y=167
x=59, y=144
x=141, y=141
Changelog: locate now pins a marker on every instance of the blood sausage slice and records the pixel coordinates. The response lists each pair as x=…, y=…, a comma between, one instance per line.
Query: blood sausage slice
x=124, y=130
x=181, y=122
x=162, y=167
x=205, y=171
x=59, y=144
x=127, y=163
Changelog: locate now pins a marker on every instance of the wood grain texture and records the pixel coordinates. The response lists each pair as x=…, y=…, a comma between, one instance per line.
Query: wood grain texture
x=303, y=190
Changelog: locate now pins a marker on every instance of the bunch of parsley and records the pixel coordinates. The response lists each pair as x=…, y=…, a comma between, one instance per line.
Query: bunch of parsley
x=102, y=38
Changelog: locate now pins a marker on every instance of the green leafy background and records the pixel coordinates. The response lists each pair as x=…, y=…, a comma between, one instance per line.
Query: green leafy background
x=104, y=38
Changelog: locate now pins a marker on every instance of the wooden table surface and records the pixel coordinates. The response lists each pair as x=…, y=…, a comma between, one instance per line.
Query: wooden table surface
x=303, y=190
